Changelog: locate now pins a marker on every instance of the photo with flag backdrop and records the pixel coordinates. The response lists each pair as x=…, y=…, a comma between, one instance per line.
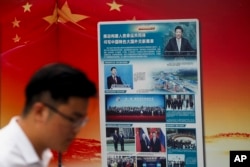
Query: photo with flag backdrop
x=69, y=34
x=160, y=133
x=139, y=132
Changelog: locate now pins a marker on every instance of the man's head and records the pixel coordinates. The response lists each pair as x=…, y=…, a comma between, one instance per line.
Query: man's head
x=113, y=71
x=178, y=32
x=56, y=104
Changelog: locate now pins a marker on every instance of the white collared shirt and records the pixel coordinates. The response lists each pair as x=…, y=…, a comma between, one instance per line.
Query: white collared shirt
x=178, y=40
x=17, y=151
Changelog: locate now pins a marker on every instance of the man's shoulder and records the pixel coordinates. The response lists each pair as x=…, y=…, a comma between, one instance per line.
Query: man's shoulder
x=6, y=135
x=184, y=39
x=172, y=39
x=7, y=141
x=8, y=153
x=110, y=77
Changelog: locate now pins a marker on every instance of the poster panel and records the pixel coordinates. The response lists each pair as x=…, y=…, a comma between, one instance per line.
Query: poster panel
x=150, y=93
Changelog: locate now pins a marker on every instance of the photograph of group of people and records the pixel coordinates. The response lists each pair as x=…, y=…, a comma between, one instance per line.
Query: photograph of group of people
x=181, y=139
x=180, y=108
x=184, y=102
x=121, y=161
x=158, y=141
x=176, y=160
x=175, y=80
x=135, y=108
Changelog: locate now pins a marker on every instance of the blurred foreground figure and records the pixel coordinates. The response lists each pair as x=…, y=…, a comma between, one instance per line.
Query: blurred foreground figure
x=56, y=108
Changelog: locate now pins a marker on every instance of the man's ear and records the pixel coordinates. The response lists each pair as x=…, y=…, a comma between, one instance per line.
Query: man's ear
x=40, y=112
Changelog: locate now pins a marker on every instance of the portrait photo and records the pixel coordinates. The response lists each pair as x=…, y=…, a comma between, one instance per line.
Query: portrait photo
x=118, y=76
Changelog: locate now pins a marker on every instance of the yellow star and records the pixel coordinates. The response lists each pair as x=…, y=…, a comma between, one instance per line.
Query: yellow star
x=16, y=38
x=52, y=18
x=27, y=7
x=16, y=23
x=114, y=6
x=65, y=15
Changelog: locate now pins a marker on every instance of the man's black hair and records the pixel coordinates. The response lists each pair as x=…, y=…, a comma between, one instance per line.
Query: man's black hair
x=112, y=68
x=178, y=27
x=61, y=81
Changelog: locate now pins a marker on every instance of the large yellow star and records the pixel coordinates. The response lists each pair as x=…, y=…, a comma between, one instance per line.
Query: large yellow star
x=27, y=7
x=66, y=15
x=114, y=6
x=16, y=23
x=16, y=38
x=52, y=18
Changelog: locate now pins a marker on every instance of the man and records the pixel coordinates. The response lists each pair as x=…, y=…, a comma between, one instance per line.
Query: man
x=121, y=140
x=54, y=112
x=178, y=45
x=155, y=143
x=145, y=145
x=115, y=140
x=113, y=79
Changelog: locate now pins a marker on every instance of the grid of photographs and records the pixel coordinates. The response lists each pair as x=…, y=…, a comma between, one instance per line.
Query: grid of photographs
x=150, y=97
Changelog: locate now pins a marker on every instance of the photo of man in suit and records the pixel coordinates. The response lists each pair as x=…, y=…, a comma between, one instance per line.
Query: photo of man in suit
x=115, y=140
x=121, y=140
x=145, y=145
x=178, y=45
x=155, y=143
x=113, y=79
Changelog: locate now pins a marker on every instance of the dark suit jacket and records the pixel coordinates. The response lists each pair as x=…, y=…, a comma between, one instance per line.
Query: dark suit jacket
x=172, y=48
x=155, y=146
x=111, y=81
x=144, y=145
x=115, y=138
x=121, y=138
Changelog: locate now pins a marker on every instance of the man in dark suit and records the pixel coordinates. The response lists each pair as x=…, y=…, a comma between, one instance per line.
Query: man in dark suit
x=121, y=140
x=115, y=140
x=155, y=143
x=113, y=79
x=179, y=46
x=145, y=145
